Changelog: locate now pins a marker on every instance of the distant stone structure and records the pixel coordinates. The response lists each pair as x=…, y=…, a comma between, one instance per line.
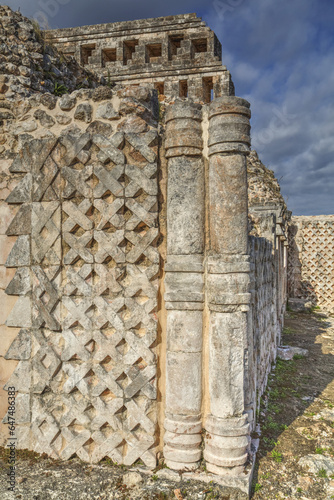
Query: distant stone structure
x=180, y=55
x=311, y=260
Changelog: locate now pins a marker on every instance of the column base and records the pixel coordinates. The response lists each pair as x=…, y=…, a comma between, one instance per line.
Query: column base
x=226, y=445
x=182, y=442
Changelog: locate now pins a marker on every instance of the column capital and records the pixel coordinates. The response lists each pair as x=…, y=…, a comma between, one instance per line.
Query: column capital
x=229, y=128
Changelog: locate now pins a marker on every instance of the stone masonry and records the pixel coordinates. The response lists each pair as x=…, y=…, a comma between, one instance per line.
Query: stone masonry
x=180, y=55
x=142, y=274
x=311, y=260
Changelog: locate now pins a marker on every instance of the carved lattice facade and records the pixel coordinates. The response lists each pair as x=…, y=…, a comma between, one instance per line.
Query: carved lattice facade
x=87, y=276
x=311, y=260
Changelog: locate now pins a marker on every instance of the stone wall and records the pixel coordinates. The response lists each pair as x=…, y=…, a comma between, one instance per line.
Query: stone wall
x=180, y=55
x=79, y=273
x=28, y=65
x=139, y=314
x=311, y=260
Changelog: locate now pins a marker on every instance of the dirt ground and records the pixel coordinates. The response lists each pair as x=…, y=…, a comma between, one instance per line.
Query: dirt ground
x=297, y=416
x=296, y=421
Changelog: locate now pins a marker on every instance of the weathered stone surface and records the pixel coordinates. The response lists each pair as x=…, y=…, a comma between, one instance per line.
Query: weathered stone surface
x=22, y=192
x=45, y=120
x=20, y=254
x=185, y=206
x=67, y=102
x=133, y=124
x=315, y=463
x=132, y=479
x=107, y=291
x=101, y=128
x=84, y=112
x=102, y=94
x=287, y=352
x=20, y=316
x=20, y=284
x=49, y=101
x=63, y=119
x=107, y=112
x=178, y=66
x=20, y=349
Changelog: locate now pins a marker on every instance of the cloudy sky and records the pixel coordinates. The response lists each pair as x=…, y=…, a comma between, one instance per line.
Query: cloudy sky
x=281, y=56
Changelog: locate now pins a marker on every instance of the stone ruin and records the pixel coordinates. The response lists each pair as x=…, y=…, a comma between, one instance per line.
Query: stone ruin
x=311, y=261
x=143, y=278
x=178, y=55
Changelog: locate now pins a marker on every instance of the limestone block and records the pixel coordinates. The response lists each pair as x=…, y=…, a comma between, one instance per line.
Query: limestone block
x=20, y=378
x=67, y=102
x=7, y=336
x=21, y=282
x=226, y=441
x=183, y=424
x=228, y=204
x=84, y=112
x=287, y=352
x=225, y=286
x=315, y=463
x=45, y=120
x=20, y=253
x=184, y=331
x=133, y=124
x=6, y=245
x=21, y=224
x=132, y=479
x=102, y=93
x=20, y=348
x=186, y=398
x=45, y=234
x=107, y=112
x=101, y=128
x=187, y=287
x=229, y=129
x=7, y=215
x=185, y=263
x=26, y=126
x=49, y=101
x=183, y=129
x=22, y=410
x=63, y=119
x=32, y=156
x=23, y=191
x=226, y=374
x=185, y=206
x=20, y=316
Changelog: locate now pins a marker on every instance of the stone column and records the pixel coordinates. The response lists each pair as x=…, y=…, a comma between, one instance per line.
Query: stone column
x=184, y=285
x=228, y=267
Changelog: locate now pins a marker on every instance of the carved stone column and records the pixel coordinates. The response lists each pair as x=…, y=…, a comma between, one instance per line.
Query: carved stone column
x=184, y=285
x=228, y=267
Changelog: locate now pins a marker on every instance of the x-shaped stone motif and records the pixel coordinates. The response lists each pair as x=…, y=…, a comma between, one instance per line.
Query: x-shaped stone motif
x=46, y=297
x=45, y=219
x=141, y=178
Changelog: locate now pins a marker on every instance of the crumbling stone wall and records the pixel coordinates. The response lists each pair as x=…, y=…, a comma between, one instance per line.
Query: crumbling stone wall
x=180, y=55
x=28, y=65
x=311, y=260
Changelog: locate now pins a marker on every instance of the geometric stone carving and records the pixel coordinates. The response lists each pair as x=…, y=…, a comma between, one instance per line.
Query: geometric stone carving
x=311, y=260
x=87, y=294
